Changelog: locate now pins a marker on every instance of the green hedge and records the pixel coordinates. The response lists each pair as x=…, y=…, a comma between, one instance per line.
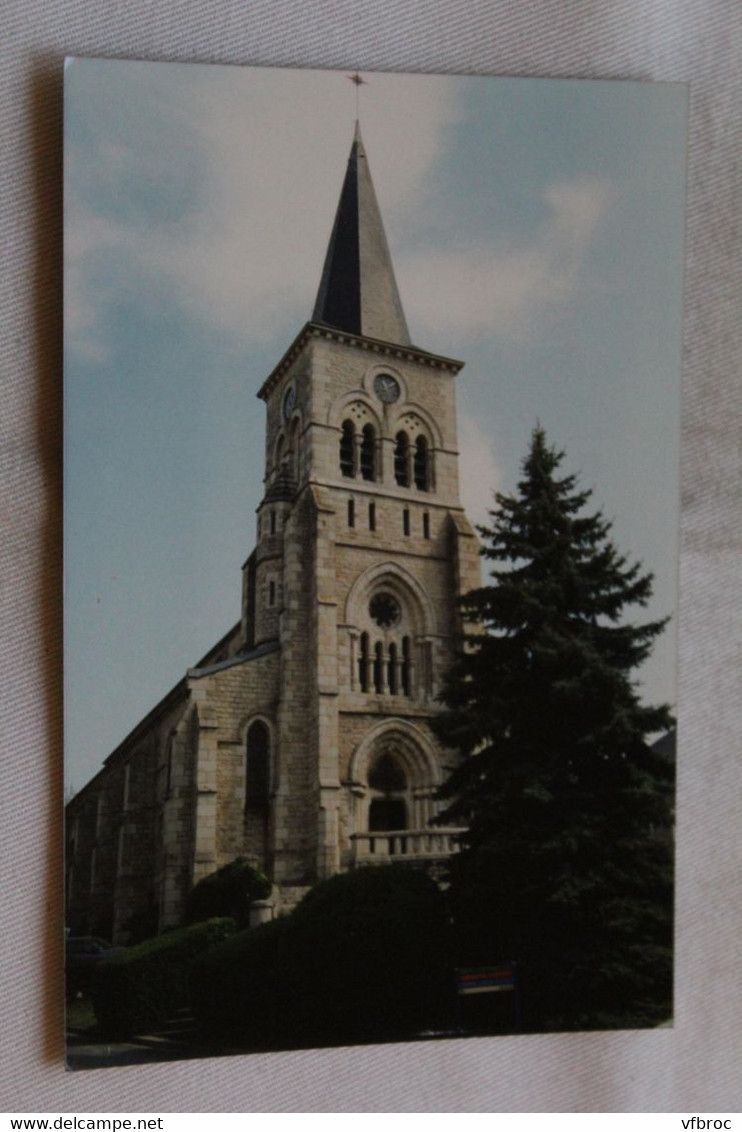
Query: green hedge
x=143, y=986
x=364, y=957
x=227, y=892
x=239, y=991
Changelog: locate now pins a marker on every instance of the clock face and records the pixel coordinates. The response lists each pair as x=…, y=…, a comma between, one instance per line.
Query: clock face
x=386, y=387
x=289, y=401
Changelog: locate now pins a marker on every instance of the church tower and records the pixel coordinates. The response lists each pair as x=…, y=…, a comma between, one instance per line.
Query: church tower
x=362, y=551
x=302, y=740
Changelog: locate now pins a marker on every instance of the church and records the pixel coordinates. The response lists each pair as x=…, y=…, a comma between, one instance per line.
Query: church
x=302, y=740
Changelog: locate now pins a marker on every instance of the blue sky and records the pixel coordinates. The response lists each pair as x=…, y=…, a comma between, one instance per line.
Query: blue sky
x=536, y=229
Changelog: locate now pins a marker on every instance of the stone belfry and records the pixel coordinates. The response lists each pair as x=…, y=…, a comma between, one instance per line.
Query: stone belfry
x=363, y=549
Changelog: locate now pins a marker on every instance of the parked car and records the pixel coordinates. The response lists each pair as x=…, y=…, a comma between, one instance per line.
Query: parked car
x=82, y=955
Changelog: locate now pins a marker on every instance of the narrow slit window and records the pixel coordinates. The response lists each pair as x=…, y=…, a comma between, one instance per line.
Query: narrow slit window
x=392, y=669
x=421, y=464
x=271, y=593
x=347, y=467
x=351, y=512
x=401, y=459
x=406, y=663
x=406, y=520
x=273, y=522
x=426, y=525
x=372, y=516
x=368, y=453
x=379, y=667
x=363, y=663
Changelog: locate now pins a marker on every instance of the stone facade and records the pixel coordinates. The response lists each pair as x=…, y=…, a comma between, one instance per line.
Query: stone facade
x=302, y=740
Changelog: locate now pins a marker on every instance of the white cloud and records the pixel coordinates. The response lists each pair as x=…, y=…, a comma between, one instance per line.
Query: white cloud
x=253, y=250
x=88, y=236
x=484, y=291
x=247, y=259
x=479, y=474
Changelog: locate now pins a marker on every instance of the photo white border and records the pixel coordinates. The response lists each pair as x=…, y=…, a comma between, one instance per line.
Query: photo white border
x=691, y=1068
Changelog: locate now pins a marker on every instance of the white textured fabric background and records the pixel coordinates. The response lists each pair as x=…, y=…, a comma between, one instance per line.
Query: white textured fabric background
x=696, y=1066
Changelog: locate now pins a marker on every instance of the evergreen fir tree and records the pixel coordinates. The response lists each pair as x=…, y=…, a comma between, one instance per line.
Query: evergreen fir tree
x=567, y=863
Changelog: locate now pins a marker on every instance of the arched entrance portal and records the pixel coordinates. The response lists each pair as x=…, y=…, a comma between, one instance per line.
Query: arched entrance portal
x=387, y=785
x=395, y=775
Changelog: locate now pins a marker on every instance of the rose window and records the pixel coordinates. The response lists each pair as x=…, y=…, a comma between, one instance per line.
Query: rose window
x=384, y=610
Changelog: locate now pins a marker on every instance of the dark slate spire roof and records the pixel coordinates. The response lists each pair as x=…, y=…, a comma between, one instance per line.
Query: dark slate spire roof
x=358, y=292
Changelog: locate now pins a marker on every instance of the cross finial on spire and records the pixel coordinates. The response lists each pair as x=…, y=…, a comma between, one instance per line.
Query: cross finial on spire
x=358, y=81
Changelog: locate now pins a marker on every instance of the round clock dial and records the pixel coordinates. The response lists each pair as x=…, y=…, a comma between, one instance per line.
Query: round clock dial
x=386, y=387
x=289, y=402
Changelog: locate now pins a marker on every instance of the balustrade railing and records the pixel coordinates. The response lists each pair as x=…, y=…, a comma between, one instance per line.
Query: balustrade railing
x=409, y=844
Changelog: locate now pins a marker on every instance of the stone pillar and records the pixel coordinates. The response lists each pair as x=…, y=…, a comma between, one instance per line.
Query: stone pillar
x=204, y=854
x=411, y=463
x=354, y=654
x=324, y=653
x=261, y=911
x=357, y=441
x=386, y=460
x=384, y=671
x=399, y=665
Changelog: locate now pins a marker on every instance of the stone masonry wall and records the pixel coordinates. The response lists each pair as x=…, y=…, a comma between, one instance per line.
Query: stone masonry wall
x=120, y=837
x=227, y=702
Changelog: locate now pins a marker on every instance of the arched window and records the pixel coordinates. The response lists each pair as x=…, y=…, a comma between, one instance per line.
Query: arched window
x=401, y=459
x=368, y=452
x=257, y=771
x=422, y=477
x=382, y=657
x=347, y=462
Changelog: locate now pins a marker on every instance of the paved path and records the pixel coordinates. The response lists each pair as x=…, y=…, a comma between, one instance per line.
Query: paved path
x=174, y=1041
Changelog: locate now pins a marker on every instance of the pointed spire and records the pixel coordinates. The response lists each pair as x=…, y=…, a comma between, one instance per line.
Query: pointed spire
x=358, y=292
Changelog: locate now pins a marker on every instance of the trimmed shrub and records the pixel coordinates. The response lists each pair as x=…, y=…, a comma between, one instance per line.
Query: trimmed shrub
x=364, y=957
x=144, y=985
x=227, y=892
x=241, y=991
